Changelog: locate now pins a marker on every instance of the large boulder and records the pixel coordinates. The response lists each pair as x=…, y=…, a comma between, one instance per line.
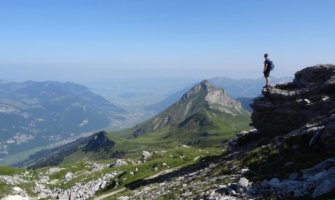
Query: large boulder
x=288, y=106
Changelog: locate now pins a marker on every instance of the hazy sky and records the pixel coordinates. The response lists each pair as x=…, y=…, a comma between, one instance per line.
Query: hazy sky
x=100, y=39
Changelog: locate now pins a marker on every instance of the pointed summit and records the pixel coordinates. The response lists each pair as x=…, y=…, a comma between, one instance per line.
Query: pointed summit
x=201, y=101
x=211, y=94
x=201, y=87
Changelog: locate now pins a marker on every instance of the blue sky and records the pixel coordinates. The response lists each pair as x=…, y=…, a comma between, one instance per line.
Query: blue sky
x=101, y=39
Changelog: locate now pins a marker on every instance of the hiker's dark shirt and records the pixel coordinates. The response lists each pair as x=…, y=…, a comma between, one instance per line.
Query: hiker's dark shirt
x=267, y=63
x=268, y=68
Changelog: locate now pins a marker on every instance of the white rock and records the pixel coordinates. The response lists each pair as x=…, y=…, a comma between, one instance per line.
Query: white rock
x=196, y=158
x=244, y=170
x=165, y=165
x=68, y=176
x=123, y=198
x=15, y=197
x=53, y=170
x=146, y=155
x=96, y=186
x=119, y=163
x=103, y=185
x=243, y=182
x=17, y=190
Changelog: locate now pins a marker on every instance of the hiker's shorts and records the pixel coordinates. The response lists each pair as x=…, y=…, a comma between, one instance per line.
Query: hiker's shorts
x=266, y=73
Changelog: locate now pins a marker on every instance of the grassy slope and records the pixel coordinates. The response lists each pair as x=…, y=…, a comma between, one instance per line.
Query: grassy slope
x=217, y=128
x=176, y=157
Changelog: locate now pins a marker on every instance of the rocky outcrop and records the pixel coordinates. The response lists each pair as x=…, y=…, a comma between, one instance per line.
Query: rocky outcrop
x=98, y=142
x=212, y=95
x=146, y=155
x=198, y=184
x=288, y=106
x=80, y=191
x=320, y=133
x=312, y=182
x=44, y=185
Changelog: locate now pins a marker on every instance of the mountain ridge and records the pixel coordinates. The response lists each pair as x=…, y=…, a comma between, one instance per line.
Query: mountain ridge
x=39, y=113
x=236, y=88
x=201, y=100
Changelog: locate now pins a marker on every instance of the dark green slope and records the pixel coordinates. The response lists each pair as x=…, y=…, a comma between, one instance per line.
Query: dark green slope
x=95, y=144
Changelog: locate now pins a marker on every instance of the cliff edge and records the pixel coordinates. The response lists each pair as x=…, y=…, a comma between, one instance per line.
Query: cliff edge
x=288, y=106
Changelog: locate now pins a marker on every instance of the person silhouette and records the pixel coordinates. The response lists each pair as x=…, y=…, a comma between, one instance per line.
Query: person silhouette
x=266, y=70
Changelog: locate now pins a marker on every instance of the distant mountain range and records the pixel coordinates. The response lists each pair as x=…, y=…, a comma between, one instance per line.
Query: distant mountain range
x=204, y=116
x=33, y=114
x=246, y=88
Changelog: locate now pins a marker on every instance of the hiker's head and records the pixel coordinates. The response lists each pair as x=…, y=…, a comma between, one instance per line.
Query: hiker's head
x=266, y=55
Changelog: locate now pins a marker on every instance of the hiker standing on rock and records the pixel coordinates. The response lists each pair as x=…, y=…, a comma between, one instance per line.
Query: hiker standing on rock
x=268, y=66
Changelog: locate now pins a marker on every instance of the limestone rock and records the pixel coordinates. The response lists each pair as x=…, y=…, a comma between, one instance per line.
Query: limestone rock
x=146, y=155
x=68, y=176
x=288, y=106
x=118, y=163
x=16, y=197
x=123, y=198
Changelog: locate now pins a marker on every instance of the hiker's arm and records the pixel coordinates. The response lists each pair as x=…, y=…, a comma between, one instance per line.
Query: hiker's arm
x=265, y=66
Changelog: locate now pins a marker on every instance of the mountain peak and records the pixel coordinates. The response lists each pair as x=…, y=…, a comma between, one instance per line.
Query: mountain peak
x=201, y=88
x=205, y=83
x=202, y=98
x=211, y=94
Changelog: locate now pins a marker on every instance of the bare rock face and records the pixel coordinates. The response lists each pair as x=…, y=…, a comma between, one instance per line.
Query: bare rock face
x=288, y=106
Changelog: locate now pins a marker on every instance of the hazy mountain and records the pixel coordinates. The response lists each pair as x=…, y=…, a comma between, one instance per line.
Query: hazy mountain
x=234, y=87
x=37, y=113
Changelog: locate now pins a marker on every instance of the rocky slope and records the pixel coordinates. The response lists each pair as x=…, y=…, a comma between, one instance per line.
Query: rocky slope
x=192, y=110
x=291, y=157
x=286, y=107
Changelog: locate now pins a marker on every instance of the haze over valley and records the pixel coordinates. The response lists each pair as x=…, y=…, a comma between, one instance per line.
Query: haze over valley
x=162, y=100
